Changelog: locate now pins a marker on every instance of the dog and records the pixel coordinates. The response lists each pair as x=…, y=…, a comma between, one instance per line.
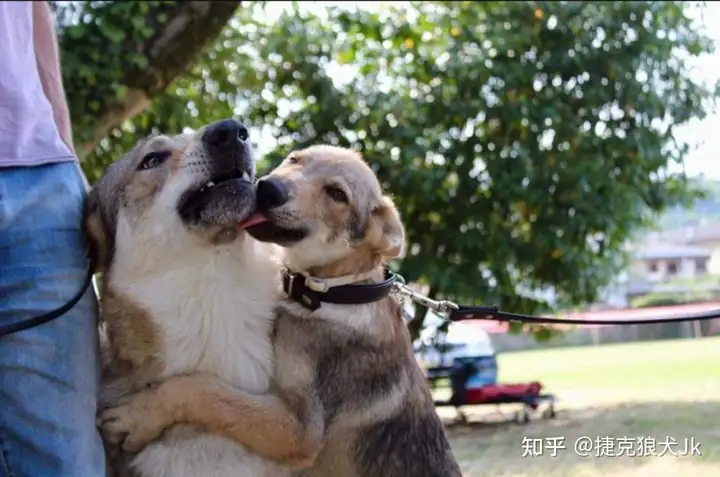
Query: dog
x=184, y=290
x=348, y=398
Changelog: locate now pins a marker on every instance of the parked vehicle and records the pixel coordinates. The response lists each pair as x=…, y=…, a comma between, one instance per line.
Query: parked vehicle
x=464, y=348
x=463, y=358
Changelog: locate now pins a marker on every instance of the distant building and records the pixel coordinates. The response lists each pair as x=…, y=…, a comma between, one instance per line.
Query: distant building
x=661, y=268
x=662, y=263
x=705, y=236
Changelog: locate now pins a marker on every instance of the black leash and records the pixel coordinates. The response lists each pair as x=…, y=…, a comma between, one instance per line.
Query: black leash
x=454, y=313
x=9, y=328
x=493, y=313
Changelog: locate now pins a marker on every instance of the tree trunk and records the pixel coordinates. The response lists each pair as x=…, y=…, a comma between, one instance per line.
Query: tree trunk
x=416, y=325
x=189, y=28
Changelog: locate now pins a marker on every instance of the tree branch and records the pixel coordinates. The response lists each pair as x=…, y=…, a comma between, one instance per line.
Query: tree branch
x=179, y=33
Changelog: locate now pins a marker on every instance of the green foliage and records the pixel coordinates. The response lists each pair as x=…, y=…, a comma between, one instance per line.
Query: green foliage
x=688, y=291
x=111, y=50
x=669, y=299
x=684, y=290
x=524, y=142
x=704, y=211
x=647, y=301
x=95, y=39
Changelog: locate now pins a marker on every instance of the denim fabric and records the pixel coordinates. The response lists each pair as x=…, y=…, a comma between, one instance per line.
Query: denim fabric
x=48, y=374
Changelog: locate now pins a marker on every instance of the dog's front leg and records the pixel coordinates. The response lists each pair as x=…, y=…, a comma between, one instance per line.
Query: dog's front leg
x=287, y=428
x=135, y=420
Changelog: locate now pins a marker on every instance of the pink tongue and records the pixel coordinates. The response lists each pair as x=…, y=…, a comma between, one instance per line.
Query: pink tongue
x=254, y=219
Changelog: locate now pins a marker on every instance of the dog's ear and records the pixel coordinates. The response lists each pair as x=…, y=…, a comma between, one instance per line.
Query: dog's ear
x=98, y=235
x=388, y=233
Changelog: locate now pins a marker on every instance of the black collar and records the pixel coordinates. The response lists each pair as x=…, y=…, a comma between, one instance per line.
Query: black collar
x=297, y=289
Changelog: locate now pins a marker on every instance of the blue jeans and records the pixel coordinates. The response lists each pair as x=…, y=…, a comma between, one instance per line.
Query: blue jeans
x=49, y=375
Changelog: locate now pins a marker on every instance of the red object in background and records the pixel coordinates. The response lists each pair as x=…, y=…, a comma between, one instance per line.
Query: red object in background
x=502, y=393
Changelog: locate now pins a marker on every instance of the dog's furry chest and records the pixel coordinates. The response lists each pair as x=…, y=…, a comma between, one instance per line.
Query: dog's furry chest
x=216, y=320
x=379, y=412
x=219, y=326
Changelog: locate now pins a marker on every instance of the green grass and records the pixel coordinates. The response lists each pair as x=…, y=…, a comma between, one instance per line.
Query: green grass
x=655, y=389
x=639, y=369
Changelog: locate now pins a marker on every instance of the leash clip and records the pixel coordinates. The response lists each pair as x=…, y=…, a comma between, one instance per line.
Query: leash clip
x=445, y=307
x=441, y=307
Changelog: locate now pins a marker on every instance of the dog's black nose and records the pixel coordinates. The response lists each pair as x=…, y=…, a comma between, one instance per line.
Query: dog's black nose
x=230, y=152
x=225, y=135
x=271, y=193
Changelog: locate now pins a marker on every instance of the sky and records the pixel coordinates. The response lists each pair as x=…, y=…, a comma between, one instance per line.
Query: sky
x=702, y=136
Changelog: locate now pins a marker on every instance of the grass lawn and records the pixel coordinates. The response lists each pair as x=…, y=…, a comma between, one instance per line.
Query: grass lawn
x=659, y=390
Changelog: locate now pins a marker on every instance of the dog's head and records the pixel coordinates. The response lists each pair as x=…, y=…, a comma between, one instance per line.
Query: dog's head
x=324, y=204
x=168, y=189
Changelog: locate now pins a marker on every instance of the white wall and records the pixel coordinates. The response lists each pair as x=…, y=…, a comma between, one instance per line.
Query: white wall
x=686, y=268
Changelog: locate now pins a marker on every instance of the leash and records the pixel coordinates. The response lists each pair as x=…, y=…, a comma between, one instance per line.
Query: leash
x=452, y=312
x=494, y=313
x=10, y=328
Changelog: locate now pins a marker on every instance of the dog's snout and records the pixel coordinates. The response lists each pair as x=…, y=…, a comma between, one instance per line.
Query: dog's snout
x=271, y=193
x=226, y=134
x=228, y=147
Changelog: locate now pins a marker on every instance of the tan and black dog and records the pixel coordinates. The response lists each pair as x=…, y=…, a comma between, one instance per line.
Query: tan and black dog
x=184, y=290
x=348, y=398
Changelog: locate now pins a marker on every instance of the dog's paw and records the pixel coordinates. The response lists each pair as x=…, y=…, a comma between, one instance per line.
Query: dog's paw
x=135, y=422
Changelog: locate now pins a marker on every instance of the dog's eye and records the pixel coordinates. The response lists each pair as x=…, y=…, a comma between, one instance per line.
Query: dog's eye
x=336, y=194
x=292, y=159
x=153, y=159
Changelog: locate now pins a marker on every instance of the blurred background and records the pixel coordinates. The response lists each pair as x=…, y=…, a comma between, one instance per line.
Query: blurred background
x=555, y=158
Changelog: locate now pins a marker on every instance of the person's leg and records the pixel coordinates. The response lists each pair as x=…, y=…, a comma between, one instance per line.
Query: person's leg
x=48, y=374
